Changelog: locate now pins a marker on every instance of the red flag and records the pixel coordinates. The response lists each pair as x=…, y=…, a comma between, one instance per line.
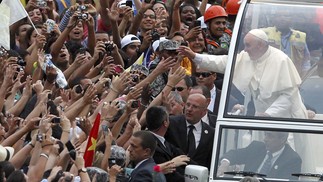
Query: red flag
x=91, y=143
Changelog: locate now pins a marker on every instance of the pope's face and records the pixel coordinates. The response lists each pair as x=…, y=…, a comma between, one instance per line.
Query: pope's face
x=251, y=46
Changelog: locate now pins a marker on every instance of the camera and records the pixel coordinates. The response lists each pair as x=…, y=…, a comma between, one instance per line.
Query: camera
x=83, y=16
x=108, y=47
x=135, y=104
x=56, y=120
x=147, y=1
x=39, y=137
x=81, y=8
x=78, y=89
x=3, y=52
x=41, y=3
x=135, y=78
x=21, y=62
x=155, y=35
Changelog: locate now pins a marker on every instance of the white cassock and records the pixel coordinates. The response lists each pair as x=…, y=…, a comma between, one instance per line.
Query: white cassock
x=272, y=81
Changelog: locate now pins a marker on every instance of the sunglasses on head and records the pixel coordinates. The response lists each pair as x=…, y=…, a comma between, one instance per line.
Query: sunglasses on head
x=203, y=74
x=178, y=89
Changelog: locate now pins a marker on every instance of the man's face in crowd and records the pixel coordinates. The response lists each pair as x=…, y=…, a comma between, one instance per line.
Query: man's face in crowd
x=188, y=15
x=176, y=108
x=199, y=91
x=148, y=20
x=77, y=32
x=284, y=21
x=136, y=152
x=251, y=46
x=35, y=16
x=22, y=32
x=205, y=78
x=195, y=108
x=184, y=89
x=197, y=44
x=131, y=49
x=217, y=26
x=104, y=37
x=274, y=141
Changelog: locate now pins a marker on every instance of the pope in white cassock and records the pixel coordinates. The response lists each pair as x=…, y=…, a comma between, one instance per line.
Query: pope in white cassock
x=262, y=73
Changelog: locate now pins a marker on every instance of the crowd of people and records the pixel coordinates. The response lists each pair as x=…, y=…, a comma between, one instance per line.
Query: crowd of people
x=126, y=90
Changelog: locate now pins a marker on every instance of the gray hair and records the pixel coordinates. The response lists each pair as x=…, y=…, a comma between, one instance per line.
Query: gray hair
x=177, y=97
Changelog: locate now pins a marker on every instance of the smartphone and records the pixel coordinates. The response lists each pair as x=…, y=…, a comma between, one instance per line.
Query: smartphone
x=112, y=161
x=56, y=120
x=50, y=25
x=135, y=104
x=197, y=23
x=105, y=129
x=129, y=3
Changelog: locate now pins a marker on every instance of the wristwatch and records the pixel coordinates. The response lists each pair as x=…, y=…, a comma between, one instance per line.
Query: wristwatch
x=83, y=170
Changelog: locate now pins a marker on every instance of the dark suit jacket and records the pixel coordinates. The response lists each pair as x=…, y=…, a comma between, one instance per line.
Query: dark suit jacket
x=163, y=154
x=212, y=118
x=252, y=156
x=144, y=173
x=177, y=135
x=217, y=101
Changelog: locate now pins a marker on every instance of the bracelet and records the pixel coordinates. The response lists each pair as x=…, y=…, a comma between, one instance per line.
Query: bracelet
x=67, y=131
x=46, y=145
x=114, y=90
x=144, y=105
x=32, y=145
x=44, y=155
x=170, y=86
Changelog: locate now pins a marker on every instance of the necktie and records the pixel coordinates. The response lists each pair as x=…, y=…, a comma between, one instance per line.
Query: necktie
x=267, y=164
x=191, y=141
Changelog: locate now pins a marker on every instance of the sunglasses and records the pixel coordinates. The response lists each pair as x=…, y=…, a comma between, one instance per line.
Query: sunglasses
x=178, y=89
x=203, y=74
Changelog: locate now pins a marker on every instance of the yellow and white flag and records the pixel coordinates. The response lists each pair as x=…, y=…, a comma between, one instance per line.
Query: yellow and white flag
x=139, y=61
x=17, y=12
x=4, y=26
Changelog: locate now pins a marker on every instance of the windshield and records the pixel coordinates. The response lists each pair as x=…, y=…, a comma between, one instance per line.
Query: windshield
x=277, y=75
x=271, y=153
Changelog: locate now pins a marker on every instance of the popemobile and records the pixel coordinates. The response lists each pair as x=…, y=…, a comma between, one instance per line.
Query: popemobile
x=274, y=73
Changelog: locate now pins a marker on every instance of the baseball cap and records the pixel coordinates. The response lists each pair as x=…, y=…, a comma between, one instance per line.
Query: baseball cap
x=128, y=39
x=170, y=45
x=156, y=43
x=6, y=153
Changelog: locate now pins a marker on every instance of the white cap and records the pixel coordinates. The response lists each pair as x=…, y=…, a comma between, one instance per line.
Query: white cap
x=259, y=34
x=201, y=19
x=6, y=153
x=122, y=3
x=128, y=39
x=156, y=43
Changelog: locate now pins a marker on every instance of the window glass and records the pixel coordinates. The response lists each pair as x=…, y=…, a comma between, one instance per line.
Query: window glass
x=285, y=80
x=247, y=150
